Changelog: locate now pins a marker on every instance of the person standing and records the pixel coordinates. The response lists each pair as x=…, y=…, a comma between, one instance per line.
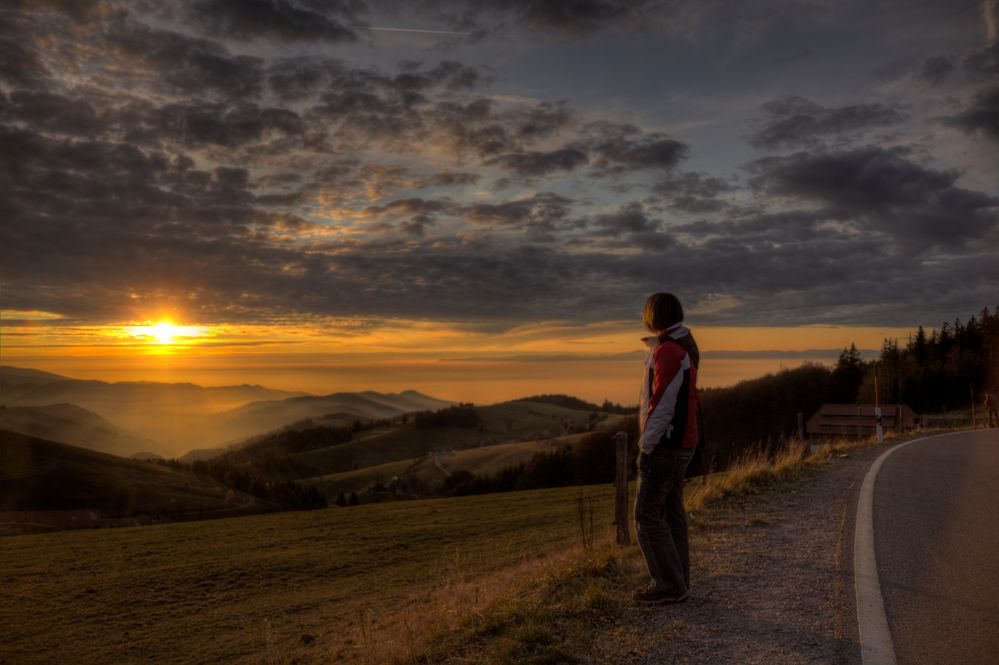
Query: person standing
x=669, y=425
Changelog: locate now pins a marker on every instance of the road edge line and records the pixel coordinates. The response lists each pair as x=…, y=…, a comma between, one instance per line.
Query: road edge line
x=876, y=646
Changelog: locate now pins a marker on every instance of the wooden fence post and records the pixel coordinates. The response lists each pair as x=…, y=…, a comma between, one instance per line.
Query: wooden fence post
x=621, y=490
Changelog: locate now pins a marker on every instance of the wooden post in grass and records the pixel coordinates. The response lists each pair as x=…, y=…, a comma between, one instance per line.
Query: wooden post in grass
x=621, y=490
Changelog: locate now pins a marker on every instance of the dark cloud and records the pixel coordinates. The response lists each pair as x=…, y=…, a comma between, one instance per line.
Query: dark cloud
x=693, y=192
x=52, y=112
x=937, y=69
x=581, y=16
x=193, y=125
x=541, y=216
x=411, y=207
x=180, y=63
x=619, y=154
x=20, y=63
x=275, y=19
x=630, y=227
x=447, y=178
x=981, y=116
x=983, y=63
x=796, y=121
x=535, y=163
x=478, y=18
x=880, y=189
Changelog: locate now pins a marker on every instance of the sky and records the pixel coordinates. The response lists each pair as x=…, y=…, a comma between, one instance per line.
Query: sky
x=474, y=198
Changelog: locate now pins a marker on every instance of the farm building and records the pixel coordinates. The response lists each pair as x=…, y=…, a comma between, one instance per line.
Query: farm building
x=859, y=419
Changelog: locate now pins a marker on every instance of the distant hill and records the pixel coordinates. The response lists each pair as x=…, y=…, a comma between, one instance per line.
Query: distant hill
x=300, y=453
x=40, y=475
x=16, y=380
x=182, y=417
x=176, y=416
x=73, y=425
x=335, y=409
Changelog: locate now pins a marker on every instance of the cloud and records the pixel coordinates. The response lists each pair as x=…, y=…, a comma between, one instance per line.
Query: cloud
x=983, y=63
x=989, y=18
x=693, y=192
x=798, y=122
x=180, y=63
x=232, y=167
x=981, y=116
x=567, y=17
x=871, y=187
x=937, y=69
x=536, y=163
x=617, y=149
x=275, y=19
x=540, y=215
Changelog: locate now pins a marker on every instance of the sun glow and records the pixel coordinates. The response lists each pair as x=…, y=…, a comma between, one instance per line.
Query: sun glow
x=163, y=332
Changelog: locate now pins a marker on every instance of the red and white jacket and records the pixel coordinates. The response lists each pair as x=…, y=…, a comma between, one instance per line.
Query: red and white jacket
x=668, y=411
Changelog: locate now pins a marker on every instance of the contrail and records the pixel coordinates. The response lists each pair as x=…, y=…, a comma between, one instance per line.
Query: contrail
x=989, y=14
x=432, y=32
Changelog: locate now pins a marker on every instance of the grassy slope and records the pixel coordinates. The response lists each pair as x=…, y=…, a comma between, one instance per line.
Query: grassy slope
x=510, y=421
x=214, y=591
x=485, y=460
x=37, y=474
x=74, y=425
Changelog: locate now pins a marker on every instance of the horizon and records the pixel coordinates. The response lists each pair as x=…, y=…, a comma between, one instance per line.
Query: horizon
x=449, y=377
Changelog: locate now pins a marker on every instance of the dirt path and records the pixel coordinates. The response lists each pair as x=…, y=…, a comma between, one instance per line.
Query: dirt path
x=772, y=582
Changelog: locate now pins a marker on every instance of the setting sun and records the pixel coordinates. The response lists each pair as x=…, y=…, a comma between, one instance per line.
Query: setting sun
x=164, y=332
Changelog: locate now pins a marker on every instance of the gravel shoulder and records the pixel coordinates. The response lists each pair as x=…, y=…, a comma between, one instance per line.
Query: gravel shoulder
x=772, y=580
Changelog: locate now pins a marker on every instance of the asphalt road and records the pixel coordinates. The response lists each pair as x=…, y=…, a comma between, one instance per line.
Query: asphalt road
x=936, y=533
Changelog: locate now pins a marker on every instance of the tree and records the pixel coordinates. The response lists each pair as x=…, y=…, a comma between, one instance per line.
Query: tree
x=847, y=376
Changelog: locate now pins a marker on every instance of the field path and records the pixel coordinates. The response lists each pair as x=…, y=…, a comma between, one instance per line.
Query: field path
x=772, y=581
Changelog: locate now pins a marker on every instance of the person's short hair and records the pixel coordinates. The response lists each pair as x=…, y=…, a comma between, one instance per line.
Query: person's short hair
x=662, y=310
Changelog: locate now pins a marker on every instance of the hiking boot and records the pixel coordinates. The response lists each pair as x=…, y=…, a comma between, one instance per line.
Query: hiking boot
x=650, y=595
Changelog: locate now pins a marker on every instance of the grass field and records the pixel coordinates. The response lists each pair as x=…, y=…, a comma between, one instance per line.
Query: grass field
x=267, y=588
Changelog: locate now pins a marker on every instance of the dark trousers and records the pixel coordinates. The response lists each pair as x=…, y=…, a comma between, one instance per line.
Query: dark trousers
x=662, y=520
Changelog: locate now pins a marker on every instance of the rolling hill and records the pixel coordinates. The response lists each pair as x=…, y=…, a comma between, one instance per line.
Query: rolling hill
x=431, y=471
x=179, y=417
x=17, y=380
x=264, y=416
x=73, y=425
x=45, y=477
x=283, y=454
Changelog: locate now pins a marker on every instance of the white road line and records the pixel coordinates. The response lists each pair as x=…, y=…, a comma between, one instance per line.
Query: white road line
x=876, y=647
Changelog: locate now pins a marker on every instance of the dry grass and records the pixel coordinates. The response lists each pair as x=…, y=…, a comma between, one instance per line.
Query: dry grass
x=540, y=614
x=759, y=470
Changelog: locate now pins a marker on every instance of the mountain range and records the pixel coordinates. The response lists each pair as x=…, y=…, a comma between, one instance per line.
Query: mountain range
x=170, y=419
